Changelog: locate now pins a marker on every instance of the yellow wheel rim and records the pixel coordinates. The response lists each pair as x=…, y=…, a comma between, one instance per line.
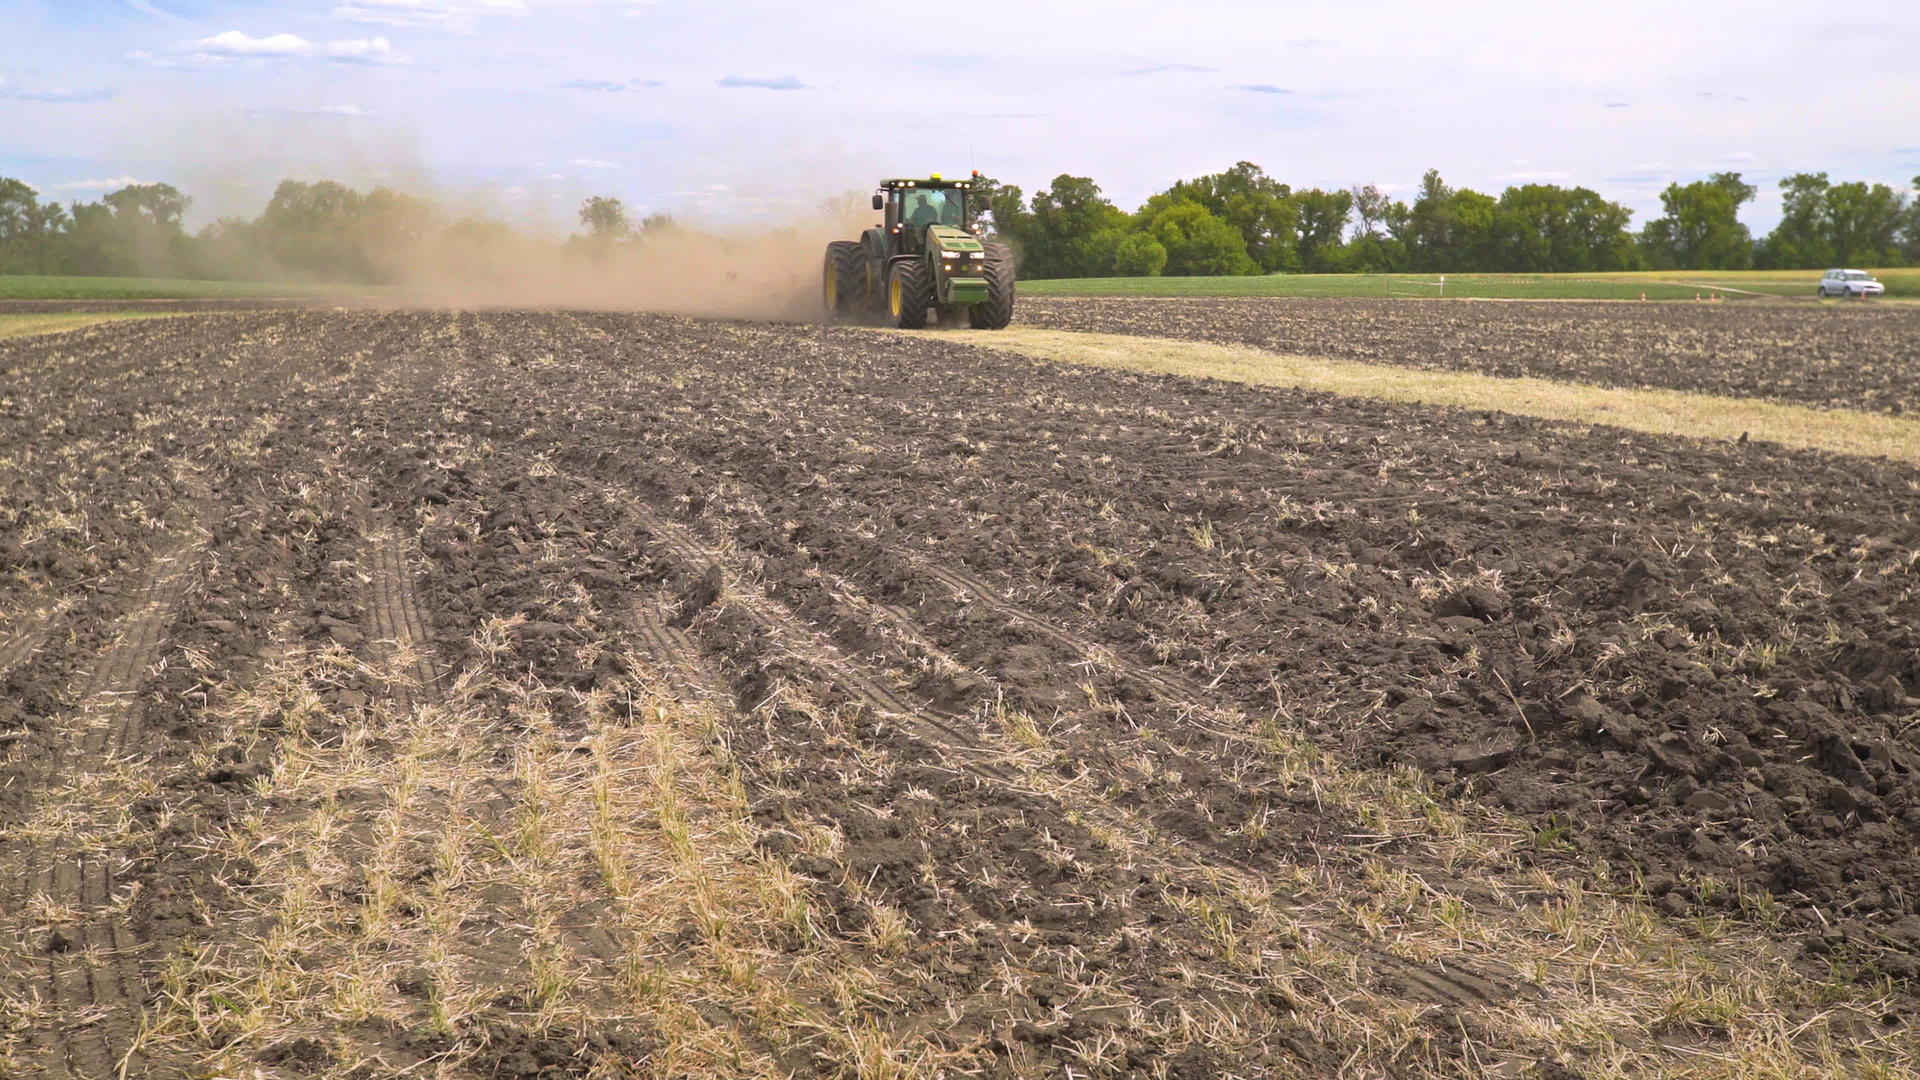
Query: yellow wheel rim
x=833, y=289
x=893, y=296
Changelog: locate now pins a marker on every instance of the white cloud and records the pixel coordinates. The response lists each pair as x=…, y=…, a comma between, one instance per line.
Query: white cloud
x=1536, y=176
x=238, y=45
x=592, y=163
x=113, y=184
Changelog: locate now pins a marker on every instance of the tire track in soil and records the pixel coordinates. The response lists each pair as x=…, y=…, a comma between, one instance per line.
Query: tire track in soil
x=89, y=982
x=399, y=642
x=1449, y=985
x=679, y=656
x=394, y=622
x=1457, y=984
x=1440, y=985
x=1172, y=688
x=593, y=939
x=23, y=640
x=1460, y=985
x=934, y=726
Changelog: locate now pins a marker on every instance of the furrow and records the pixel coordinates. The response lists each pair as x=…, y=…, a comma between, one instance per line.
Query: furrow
x=112, y=721
x=803, y=642
x=1437, y=985
x=1456, y=985
x=985, y=595
x=67, y=922
x=394, y=621
x=24, y=640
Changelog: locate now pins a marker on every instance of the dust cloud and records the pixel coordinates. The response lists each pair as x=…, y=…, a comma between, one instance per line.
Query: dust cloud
x=746, y=246
x=720, y=271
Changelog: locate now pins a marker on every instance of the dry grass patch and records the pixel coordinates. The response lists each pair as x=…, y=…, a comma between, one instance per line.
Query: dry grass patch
x=426, y=885
x=1659, y=412
x=30, y=323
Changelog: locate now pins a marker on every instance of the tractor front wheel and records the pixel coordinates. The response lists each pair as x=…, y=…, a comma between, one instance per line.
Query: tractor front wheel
x=996, y=311
x=909, y=294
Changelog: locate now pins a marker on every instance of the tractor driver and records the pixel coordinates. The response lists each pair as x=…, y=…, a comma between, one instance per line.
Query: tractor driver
x=925, y=208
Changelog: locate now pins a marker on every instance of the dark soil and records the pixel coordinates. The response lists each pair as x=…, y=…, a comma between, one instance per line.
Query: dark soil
x=1853, y=356
x=1701, y=663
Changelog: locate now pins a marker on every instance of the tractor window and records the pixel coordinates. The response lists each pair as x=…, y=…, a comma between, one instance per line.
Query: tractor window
x=933, y=206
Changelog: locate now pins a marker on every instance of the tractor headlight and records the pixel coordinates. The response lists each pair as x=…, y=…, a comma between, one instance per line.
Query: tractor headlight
x=949, y=254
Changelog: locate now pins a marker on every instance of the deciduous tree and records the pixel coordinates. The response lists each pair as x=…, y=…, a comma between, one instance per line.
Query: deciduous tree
x=1701, y=228
x=1259, y=207
x=1139, y=255
x=605, y=218
x=1199, y=243
x=1075, y=230
x=1323, y=222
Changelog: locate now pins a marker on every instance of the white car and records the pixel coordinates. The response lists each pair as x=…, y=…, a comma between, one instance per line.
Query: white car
x=1854, y=283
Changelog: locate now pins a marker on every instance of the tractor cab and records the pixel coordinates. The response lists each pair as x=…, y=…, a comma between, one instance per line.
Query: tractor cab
x=913, y=205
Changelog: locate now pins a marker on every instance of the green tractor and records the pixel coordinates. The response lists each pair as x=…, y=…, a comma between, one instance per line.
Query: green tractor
x=922, y=258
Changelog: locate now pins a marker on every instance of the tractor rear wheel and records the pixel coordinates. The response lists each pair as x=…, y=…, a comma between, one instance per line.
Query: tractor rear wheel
x=996, y=311
x=909, y=294
x=843, y=279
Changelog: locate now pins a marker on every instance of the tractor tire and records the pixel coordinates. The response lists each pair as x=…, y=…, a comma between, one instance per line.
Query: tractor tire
x=843, y=279
x=909, y=294
x=996, y=311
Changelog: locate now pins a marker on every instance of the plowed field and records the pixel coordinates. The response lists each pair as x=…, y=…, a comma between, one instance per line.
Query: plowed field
x=1855, y=356
x=534, y=695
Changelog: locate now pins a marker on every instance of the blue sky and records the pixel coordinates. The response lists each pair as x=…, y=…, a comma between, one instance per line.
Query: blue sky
x=733, y=109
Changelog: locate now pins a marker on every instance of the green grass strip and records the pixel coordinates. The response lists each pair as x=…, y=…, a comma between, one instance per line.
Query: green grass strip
x=1654, y=285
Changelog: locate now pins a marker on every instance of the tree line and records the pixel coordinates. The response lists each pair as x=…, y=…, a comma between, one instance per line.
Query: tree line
x=319, y=231
x=1243, y=221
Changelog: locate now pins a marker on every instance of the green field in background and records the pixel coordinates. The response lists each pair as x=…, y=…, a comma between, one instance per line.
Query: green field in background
x=51, y=287
x=1656, y=285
